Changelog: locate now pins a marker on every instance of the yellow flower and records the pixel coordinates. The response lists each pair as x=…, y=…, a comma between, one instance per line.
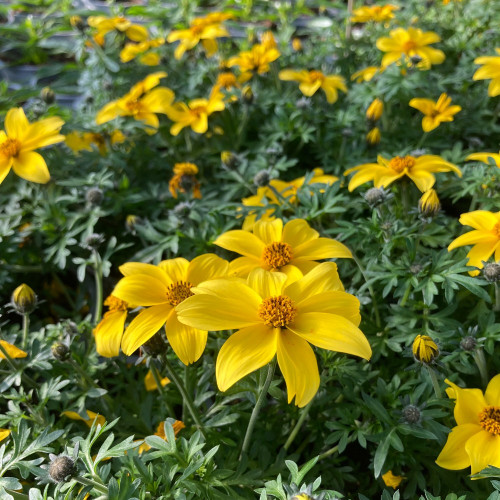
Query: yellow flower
x=160, y=289
x=109, y=332
x=429, y=203
x=375, y=110
x=255, y=60
x=13, y=351
x=485, y=237
x=178, y=425
x=77, y=141
x=373, y=136
x=20, y=139
x=296, y=44
x=377, y=13
x=105, y=25
x=92, y=416
x=311, y=81
x=276, y=248
x=409, y=43
x=435, y=112
x=383, y=173
x=490, y=70
x=391, y=480
x=184, y=176
x=475, y=441
x=195, y=114
x=141, y=103
x=4, y=433
x=141, y=50
x=274, y=316
x=227, y=80
x=366, y=74
x=150, y=382
x=425, y=350
x=485, y=158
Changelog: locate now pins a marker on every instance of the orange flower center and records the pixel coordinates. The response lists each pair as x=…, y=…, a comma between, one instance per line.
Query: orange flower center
x=277, y=311
x=198, y=111
x=179, y=291
x=409, y=45
x=10, y=147
x=400, y=163
x=316, y=75
x=496, y=229
x=115, y=304
x=133, y=107
x=277, y=254
x=489, y=419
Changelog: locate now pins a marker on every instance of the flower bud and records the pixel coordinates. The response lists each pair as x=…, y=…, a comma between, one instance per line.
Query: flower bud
x=491, y=272
x=296, y=44
x=94, y=241
x=429, y=204
x=468, y=343
x=425, y=350
x=183, y=209
x=61, y=468
x=411, y=414
x=60, y=351
x=301, y=496
x=373, y=136
x=131, y=221
x=247, y=94
x=94, y=196
x=228, y=159
x=24, y=299
x=261, y=178
x=375, y=110
x=47, y=95
x=375, y=196
x=156, y=345
x=77, y=22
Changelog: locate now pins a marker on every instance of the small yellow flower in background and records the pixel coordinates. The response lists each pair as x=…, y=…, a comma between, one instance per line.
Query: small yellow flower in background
x=296, y=44
x=24, y=299
x=375, y=110
x=435, y=112
x=475, y=441
x=255, y=60
x=383, y=173
x=78, y=141
x=143, y=51
x=160, y=289
x=4, y=433
x=377, y=13
x=184, y=177
x=429, y=203
x=227, y=80
x=373, y=136
x=92, y=416
x=410, y=43
x=425, y=350
x=178, y=425
x=195, y=114
x=150, y=382
x=268, y=40
x=485, y=237
x=391, y=480
x=20, y=139
x=485, y=158
x=311, y=81
x=141, y=103
x=366, y=74
x=205, y=29
x=446, y=2
x=109, y=332
x=275, y=247
x=105, y=25
x=490, y=70
x=274, y=316
x=13, y=351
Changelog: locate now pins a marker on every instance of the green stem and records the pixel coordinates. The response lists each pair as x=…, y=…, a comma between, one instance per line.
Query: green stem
x=98, y=287
x=350, y=4
x=298, y=425
x=26, y=327
x=435, y=383
x=333, y=450
x=16, y=495
x=496, y=307
x=406, y=295
x=422, y=140
x=481, y=365
x=90, y=482
x=370, y=289
x=161, y=390
x=258, y=406
x=184, y=393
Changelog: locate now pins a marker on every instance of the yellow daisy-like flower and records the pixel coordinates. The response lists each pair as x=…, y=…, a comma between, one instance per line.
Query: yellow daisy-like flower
x=485, y=237
x=178, y=425
x=420, y=170
x=366, y=74
x=276, y=248
x=184, y=174
x=160, y=289
x=141, y=103
x=376, y=13
x=105, y=25
x=274, y=316
x=142, y=50
x=195, y=114
x=20, y=139
x=109, y=332
x=409, y=43
x=311, y=81
x=92, y=416
x=255, y=60
x=490, y=70
x=391, y=480
x=485, y=158
x=13, y=351
x=435, y=112
x=150, y=382
x=475, y=441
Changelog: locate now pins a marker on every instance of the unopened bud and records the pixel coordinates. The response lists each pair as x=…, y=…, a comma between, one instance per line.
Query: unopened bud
x=261, y=178
x=61, y=468
x=302, y=496
x=375, y=196
x=94, y=241
x=228, y=159
x=429, y=204
x=296, y=44
x=411, y=414
x=94, y=196
x=47, y=95
x=247, y=94
x=373, y=136
x=60, y=351
x=24, y=299
x=491, y=272
x=156, y=345
x=77, y=22
x=425, y=350
x=375, y=110
x=468, y=343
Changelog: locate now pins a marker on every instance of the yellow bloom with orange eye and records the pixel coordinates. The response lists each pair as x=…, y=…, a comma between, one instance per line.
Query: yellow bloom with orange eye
x=435, y=112
x=485, y=158
x=425, y=350
x=13, y=351
x=195, y=114
x=373, y=136
x=366, y=74
x=429, y=203
x=375, y=110
x=376, y=13
x=177, y=426
x=160, y=289
x=311, y=81
x=105, y=25
x=275, y=247
x=92, y=417
x=475, y=441
x=150, y=382
x=485, y=237
x=141, y=102
x=278, y=314
x=391, y=480
x=109, y=332
x=408, y=44
x=383, y=173
x=490, y=70
x=227, y=80
x=255, y=60
x=20, y=139
x=184, y=176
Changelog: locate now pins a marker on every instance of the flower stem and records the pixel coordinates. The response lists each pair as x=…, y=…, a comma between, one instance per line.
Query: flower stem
x=184, y=393
x=304, y=412
x=98, y=287
x=435, y=383
x=422, y=140
x=406, y=295
x=258, y=406
x=496, y=307
x=481, y=365
x=90, y=482
x=26, y=327
x=161, y=390
x=350, y=5
x=333, y=450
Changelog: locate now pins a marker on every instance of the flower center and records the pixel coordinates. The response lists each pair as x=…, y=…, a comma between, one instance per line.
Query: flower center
x=496, y=229
x=409, y=46
x=179, y=291
x=277, y=254
x=316, y=75
x=10, y=147
x=115, y=304
x=133, y=107
x=277, y=311
x=489, y=419
x=198, y=111
x=400, y=163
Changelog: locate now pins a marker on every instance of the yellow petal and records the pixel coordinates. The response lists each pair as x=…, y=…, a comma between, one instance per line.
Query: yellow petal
x=244, y=352
x=175, y=269
x=108, y=333
x=242, y=242
x=4, y=433
x=150, y=382
x=472, y=238
x=299, y=367
x=13, y=351
x=141, y=290
x=321, y=248
x=468, y=404
x=333, y=302
x=43, y=133
x=453, y=456
x=268, y=231
x=187, y=342
x=480, y=219
x=107, y=113
x=241, y=266
x=485, y=158
x=16, y=124
x=31, y=166
x=5, y=166
x=156, y=272
x=426, y=106
x=480, y=253
x=423, y=180
x=483, y=449
x=297, y=232
x=266, y=283
x=206, y=267
x=492, y=394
